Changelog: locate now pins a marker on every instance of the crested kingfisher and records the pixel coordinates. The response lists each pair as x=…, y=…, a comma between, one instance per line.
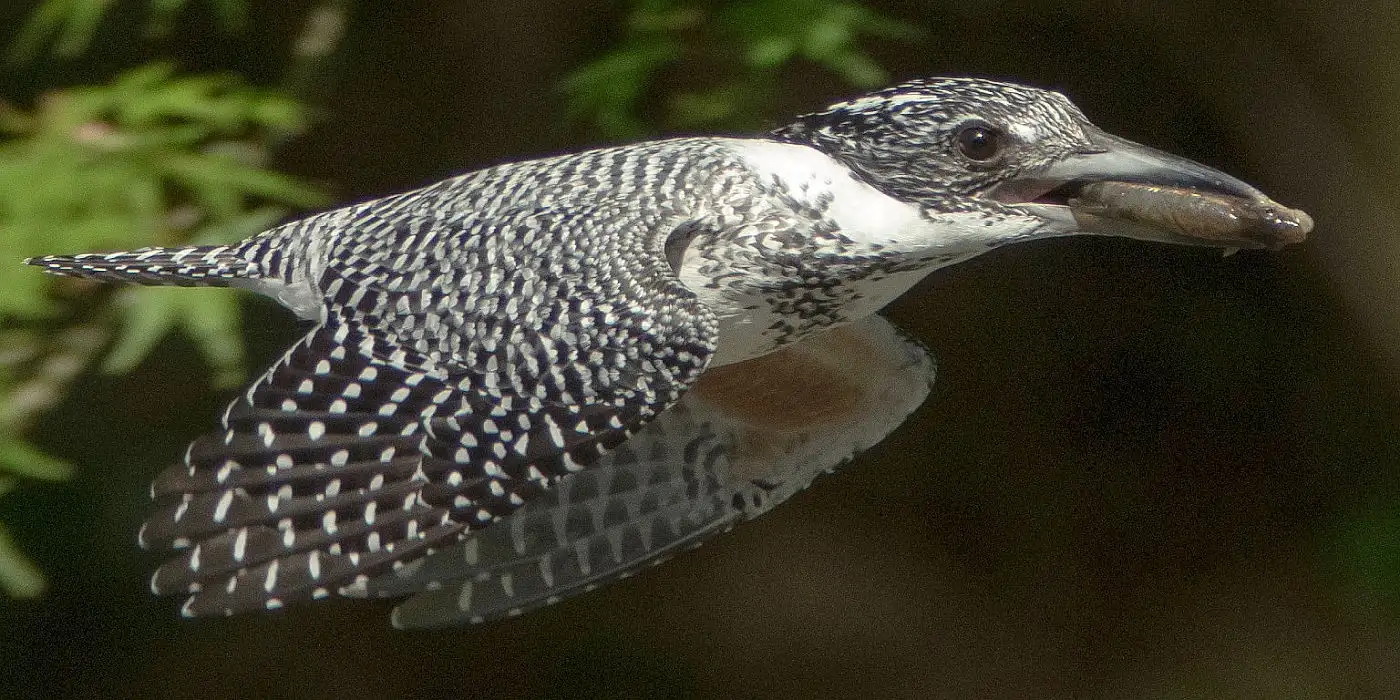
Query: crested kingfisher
x=529, y=380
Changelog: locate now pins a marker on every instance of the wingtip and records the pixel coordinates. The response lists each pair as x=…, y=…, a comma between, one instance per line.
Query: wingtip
x=46, y=261
x=59, y=265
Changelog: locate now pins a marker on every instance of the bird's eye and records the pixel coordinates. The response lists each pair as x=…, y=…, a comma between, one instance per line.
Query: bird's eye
x=980, y=142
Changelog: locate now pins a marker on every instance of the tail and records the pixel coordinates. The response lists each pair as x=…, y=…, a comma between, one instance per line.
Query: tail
x=190, y=266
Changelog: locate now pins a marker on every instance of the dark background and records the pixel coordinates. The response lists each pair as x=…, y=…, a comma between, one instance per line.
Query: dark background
x=1144, y=472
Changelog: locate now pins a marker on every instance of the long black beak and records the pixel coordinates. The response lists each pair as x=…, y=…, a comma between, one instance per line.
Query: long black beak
x=1116, y=159
x=1118, y=187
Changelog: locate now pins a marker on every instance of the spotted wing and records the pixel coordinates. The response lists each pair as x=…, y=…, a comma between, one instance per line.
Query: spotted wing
x=746, y=438
x=412, y=416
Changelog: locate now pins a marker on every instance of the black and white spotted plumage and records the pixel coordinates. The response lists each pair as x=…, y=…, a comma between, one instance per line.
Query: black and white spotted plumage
x=480, y=340
x=715, y=459
x=441, y=389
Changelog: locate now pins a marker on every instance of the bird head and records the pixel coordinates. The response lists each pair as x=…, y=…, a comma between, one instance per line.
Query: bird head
x=1028, y=158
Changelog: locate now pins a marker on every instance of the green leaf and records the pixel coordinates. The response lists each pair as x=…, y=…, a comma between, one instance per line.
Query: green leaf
x=858, y=69
x=72, y=24
x=239, y=227
x=153, y=95
x=177, y=137
x=14, y=121
x=101, y=230
x=141, y=80
x=214, y=322
x=609, y=90
x=148, y=314
x=221, y=183
x=18, y=577
x=752, y=38
x=84, y=16
x=210, y=317
x=719, y=105
x=771, y=52
x=879, y=26
x=20, y=459
x=278, y=112
x=43, y=23
x=25, y=292
x=827, y=36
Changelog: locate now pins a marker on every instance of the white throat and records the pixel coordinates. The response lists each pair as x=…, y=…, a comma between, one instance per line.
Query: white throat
x=864, y=214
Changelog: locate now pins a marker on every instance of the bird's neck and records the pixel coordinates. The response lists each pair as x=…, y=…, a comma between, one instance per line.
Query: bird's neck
x=870, y=219
x=815, y=247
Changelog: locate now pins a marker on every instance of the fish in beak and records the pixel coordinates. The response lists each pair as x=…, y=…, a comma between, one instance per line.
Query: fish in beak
x=1120, y=188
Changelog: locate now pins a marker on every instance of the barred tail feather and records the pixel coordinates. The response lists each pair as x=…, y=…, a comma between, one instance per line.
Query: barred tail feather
x=189, y=266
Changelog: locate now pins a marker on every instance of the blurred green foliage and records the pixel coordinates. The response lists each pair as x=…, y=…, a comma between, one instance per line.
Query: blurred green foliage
x=70, y=25
x=149, y=158
x=747, y=44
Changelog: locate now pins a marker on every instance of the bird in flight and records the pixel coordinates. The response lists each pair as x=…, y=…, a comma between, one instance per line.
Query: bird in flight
x=526, y=381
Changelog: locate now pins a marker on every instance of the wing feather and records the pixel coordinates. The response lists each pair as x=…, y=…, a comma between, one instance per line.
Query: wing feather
x=744, y=440
x=355, y=453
